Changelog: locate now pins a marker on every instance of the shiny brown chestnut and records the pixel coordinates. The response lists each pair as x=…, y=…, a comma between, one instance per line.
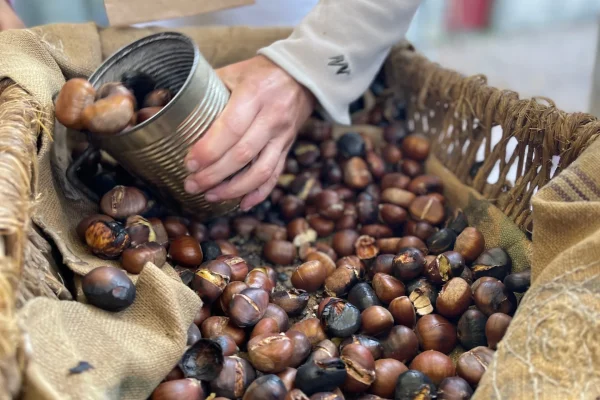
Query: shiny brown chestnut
x=382, y=264
x=180, y=389
x=270, y=353
x=323, y=350
x=421, y=229
x=248, y=307
x=279, y=315
x=340, y=282
x=292, y=301
x=238, y=266
x=217, y=326
x=288, y=376
x=109, y=115
x=329, y=205
x=436, y=333
x=518, y=282
x=412, y=241
x=387, y=247
x=472, y=365
x=470, y=329
x=291, y=207
x=403, y=312
x=427, y=208
x=227, y=344
x=401, y=344
x=470, y=244
x=398, y=197
x=377, y=231
x=343, y=242
x=259, y=278
x=387, y=288
x=360, y=368
x=391, y=154
x=266, y=232
x=227, y=248
x=309, y=276
x=230, y=290
x=411, y=168
x=186, y=251
x=376, y=321
x=235, y=377
x=311, y=328
x=437, y=366
x=107, y=239
x=133, y=259
x=325, y=260
x=267, y=386
x=392, y=215
x=158, y=98
x=175, y=227
x=211, y=279
x=202, y=314
x=302, y=347
x=75, y=95
x=395, y=180
x=387, y=371
x=454, y=298
x=322, y=226
x=416, y=147
x=356, y=173
x=372, y=344
x=491, y=296
x=495, y=328
x=426, y=184
x=454, y=388
x=280, y=252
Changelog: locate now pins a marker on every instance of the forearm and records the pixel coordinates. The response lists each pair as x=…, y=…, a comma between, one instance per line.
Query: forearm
x=337, y=50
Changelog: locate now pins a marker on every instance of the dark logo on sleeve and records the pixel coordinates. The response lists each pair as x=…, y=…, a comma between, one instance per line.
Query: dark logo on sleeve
x=340, y=62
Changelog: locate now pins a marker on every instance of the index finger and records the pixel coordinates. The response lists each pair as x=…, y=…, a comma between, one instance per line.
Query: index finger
x=226, y=130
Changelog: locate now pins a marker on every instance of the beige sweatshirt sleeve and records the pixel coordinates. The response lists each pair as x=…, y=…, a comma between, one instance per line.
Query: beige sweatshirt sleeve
x=339, y=47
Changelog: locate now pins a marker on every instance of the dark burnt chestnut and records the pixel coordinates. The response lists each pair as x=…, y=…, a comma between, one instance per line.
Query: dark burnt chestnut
x=248, y=307
x=437, y=366
x=108, y=288
x=363, y=296
x=493, y=262
x=266, y=387
x=320, y=376
x=203, y=361
x=218, y=229
x=235, y=377
x=350, y=145
x=331, y=172
x=457, y=221
x=370, y=343
x=291, y=207
x=123, y=201
x=409, y=263
x=210, y=250
x=519, y=281
x=491, y=296
x=472, y=365
x=340, y=318
x=414, y=385
x=394, y=133
x=441, y=241
x=495, y=328
x=436, y=333
x=454, y=388
x=401, y=344
x=107, y=239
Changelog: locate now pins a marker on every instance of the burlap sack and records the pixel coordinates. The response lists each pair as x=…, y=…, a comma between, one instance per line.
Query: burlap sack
x=551, y=349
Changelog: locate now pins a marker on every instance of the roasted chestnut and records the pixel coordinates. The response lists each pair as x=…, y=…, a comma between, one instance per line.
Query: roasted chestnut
x=387, y=371
x=158, y=98
x=342, y=280
x=360, y=368
x=227, y=344
x=401, y=344
x=203, y=360
x=363, y=296
x=416, y=147
x=491, y=296
x=325, y=260
x=109, y=115
x=403, y=312
x=108, y=288
x=519, y=281
x=340, y=318
x=270, y=353
x=471, y=329
x=408, y=264
x=87, y=221
x=235, y=377
x=387, y=288
x=248, y=307
x=292, y=301
x=179, y=389
x=312, y=328
x=133, y=259
x=302, y=348
x=210, y=280
x=436, y=333
x=75, y=95
x=441, y=241
x=414, y=385
x=454, y=298
x=320, y=376
x=493, y=262
x=437, y=366
x=176, y=227
x=472, y=365
x=495, y=328
x=343, y=242
x=217, y=326
x=266, y=387
x=350, y=145
x=427, y=208
x=356, y=173
x=444, y=267
x=454, y=388
x=372, y=344
x=107, y=239
x=376, y=321
x=186, y=251
x=280, y=252
x=470, y=244
x=309, y=276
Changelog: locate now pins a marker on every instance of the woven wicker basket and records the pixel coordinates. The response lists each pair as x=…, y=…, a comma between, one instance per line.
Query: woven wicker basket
x=437, y=99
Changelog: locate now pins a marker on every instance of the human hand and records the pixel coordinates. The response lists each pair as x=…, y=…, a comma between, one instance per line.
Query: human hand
x=8, y=17
x=265, y=111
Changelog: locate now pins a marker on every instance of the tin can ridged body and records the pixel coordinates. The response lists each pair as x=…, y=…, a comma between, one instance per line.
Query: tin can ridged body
x=155, y=150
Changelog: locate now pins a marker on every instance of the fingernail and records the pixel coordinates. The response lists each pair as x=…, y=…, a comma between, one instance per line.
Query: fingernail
x=192, y=165
x=191, y=186
x=211, y=197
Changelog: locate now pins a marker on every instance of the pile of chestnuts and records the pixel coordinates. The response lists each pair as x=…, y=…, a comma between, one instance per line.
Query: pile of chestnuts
x=114, y=107
x=353, y=280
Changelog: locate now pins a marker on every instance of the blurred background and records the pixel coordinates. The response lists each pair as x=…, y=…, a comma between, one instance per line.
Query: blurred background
x=536, y=47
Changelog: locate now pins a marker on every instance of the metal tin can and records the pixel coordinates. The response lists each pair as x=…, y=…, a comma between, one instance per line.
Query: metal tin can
x=154, y=151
